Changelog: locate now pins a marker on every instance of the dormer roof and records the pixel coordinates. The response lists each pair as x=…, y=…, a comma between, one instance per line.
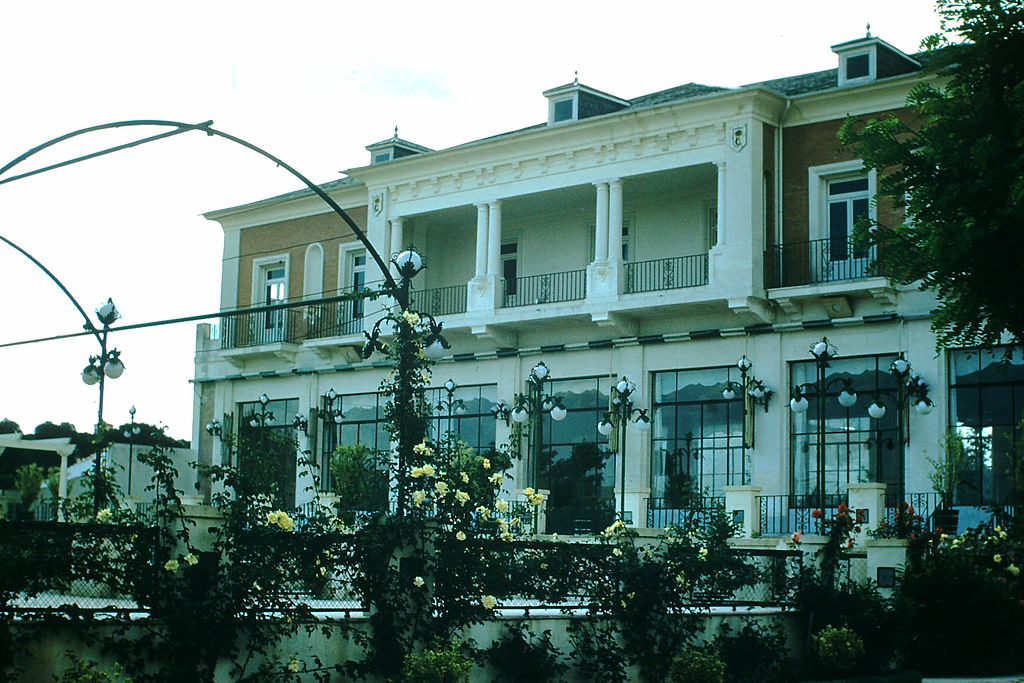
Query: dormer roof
x=575, y=101
x=869, y=58
x=393, y=148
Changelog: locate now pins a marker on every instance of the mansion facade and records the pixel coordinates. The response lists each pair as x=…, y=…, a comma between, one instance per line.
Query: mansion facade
x=696, y=241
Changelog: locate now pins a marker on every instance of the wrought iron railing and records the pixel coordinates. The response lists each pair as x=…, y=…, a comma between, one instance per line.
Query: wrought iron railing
x=570, y=285
x=664, y=512
x=817, y=261
x=782, y=515
x=334, y=319
x=440, y=300
x=667, y=273
x=580, y=519
x=261, y=327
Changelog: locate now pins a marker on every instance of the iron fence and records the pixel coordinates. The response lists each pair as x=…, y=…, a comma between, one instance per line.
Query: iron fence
x=334, y=319
x=261, y=327
x=782, y=515
x=667, y=273
x=816, y=261
x=549, y=288
x=440, y=300
x=664, y=512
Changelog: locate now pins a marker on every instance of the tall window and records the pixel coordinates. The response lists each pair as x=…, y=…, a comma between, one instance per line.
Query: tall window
x=267, y=452
x=476, y=425
x=361, y=422
x=274, y=292
x=698, y=436
x=986, y=404
x=575, y=463
x=847, y=204
x=510, y=266
x=857, y=448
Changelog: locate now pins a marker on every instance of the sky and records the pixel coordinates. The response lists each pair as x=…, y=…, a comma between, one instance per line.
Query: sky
x=313, y=83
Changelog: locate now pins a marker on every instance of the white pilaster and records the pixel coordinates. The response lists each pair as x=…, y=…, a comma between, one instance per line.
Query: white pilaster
x=615, y=220
x=601, y=223
x=481, y=240
x=494, y=239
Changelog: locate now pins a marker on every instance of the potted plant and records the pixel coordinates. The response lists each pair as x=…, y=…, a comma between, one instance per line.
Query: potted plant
x=946, y=476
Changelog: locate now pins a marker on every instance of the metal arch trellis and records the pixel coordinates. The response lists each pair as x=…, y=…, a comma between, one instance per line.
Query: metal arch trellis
x=207, y=127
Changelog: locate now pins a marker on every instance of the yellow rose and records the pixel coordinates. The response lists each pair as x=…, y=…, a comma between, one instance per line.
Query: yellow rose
x=461, y=535
x=171, y=565
x=488, y=601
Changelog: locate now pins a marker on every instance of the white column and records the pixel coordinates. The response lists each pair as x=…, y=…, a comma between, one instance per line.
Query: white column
x=397, y=238
x=601, y=223
x=494, y=239
x=615, y=220
x=722, y=222
x=481, y=240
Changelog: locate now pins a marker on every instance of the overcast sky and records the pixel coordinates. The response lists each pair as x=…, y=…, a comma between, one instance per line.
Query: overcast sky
x=312, y=83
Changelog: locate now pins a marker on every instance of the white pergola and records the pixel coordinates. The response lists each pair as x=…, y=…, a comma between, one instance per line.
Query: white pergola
x=61, y=446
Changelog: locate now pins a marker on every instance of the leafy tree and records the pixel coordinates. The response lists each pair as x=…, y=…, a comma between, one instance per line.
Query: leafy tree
x=9, y=426
x=957, y=167
x=28, y=479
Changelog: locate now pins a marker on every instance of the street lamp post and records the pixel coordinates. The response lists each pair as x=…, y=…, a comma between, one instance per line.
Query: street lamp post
x=754, y=392
x=615, y=420
x=130, y=433
x=530, y=407
x=822, y=351
x=451, y=404
x=106, y=364
x=408, y=399
x=911, y=389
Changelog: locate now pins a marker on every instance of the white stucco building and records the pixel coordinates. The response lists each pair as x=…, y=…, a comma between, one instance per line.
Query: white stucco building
x=662, y=238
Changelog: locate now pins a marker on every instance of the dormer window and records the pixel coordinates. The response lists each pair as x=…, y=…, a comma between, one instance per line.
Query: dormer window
x=574, y=102
x=394, y=148
x=868, y=59
x=563, y=110
x=858, y=66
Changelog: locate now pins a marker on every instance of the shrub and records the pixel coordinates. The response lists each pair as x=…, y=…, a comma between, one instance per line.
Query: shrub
x=521, y=656
x=839, y=650
x=756, y=653
x=82, y=671
x=446, y=665
x=697, y=666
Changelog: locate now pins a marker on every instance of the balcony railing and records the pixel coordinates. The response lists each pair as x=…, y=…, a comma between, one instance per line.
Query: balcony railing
x=667, y=273
x=663, y=512
x=549, y=288
x=261, y=327
x=441, y=300
x=782, y=515
x=334, y=319
x=817, y=261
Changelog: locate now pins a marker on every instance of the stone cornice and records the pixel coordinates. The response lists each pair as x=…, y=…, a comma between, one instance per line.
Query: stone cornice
x=288, y=207
x=629, y=136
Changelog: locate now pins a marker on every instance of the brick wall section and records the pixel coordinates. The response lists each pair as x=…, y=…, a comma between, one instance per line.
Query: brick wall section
x=813, y=145
x=292, y=237
x=768, y=164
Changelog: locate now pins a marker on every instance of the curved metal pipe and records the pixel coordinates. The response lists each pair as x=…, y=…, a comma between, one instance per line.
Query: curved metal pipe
x=206, y=126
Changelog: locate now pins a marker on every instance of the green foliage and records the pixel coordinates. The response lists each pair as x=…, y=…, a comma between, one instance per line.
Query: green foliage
x=965, y=605
x=596, y=651
x=28, y=479
x=839, y=650
x=754, y=654
x=696, y=666
x=949, y=470
x=880, y=624
x=442, y=665
x=956, y=168
x=360, y=479
x=82, y=671
x=519, y=656
x=651, y=590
